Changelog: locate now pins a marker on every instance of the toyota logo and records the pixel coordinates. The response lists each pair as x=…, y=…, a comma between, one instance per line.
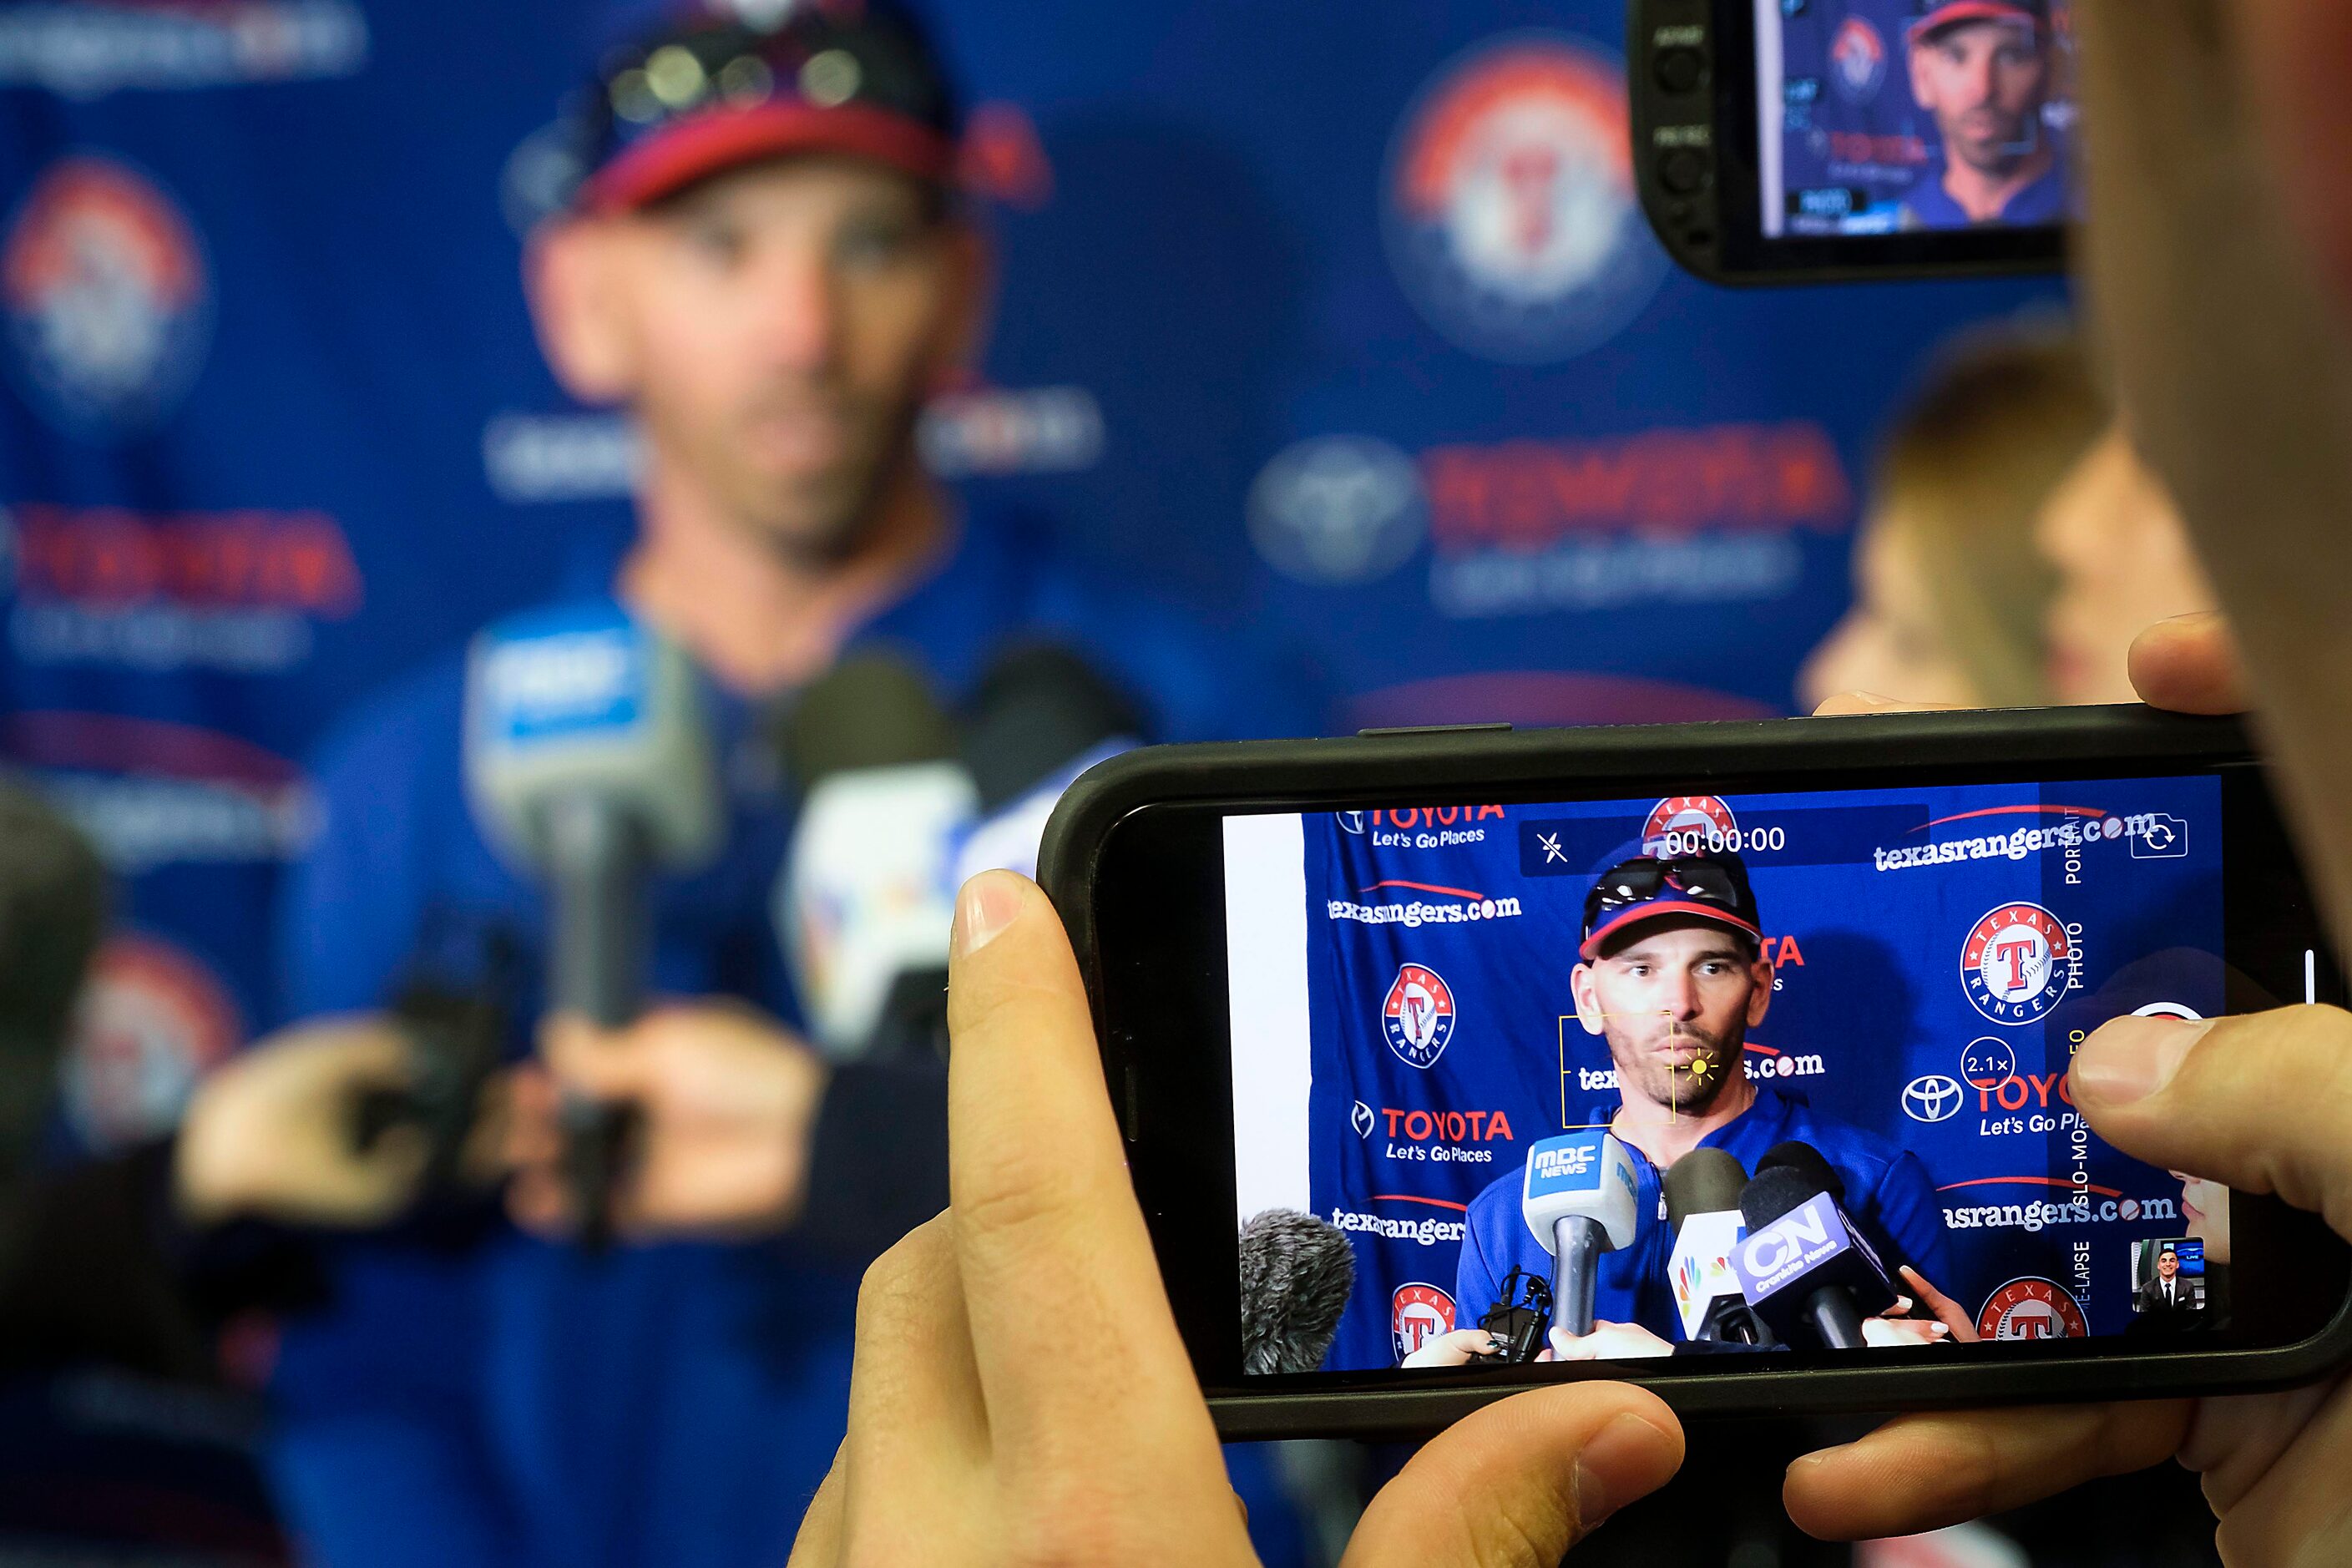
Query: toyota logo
x=1934, y=1098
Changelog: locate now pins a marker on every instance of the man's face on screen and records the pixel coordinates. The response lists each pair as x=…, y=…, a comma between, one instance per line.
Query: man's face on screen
x=1984, y=82
x=2168, y=1264
x=776, y=329
x=1676, y=1005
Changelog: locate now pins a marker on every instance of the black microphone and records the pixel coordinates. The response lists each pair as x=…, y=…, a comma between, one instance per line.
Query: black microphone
x=1703, y=1191
x=1296, y=1273
x=1796, y=1154
x=1039, y=709
x=53, y=914
x=1804, y=1267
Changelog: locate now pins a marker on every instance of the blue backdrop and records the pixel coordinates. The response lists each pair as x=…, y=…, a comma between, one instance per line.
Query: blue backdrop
x=1933, y=1002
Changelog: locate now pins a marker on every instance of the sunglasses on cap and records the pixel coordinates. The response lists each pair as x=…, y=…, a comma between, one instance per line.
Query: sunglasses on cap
x=1709, y=883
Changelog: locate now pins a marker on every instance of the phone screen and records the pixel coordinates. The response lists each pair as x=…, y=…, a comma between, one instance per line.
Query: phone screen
x=1884, y=117
x=1479, y=1039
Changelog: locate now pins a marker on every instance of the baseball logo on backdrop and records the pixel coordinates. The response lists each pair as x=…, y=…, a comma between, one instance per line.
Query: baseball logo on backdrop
x=2032, y=1308
x=1688, y=823
x=1513, y=223
x=2017, y=963
x=1417, y=1314
x=1417, y=1015
x=154, y=1019
x=1857, y=60
x=107, y=298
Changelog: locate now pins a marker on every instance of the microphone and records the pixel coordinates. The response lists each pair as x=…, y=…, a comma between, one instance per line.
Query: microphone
x=1795, y=1154
x=865, y=902
x=53, y=915
x=1804, y=1268
x=1041, y=717
x=1579, y=1197
x=588, y=763
x=1703, y=1191
x=1296, y=1273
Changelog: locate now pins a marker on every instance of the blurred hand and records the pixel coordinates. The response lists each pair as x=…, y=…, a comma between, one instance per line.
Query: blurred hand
x=1607, y=1341
x=1903, y=1333
x=270, y=1134
x=983, y=1429
x=728, y=1100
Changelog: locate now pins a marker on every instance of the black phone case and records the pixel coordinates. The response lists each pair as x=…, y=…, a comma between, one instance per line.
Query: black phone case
x=1387, y=766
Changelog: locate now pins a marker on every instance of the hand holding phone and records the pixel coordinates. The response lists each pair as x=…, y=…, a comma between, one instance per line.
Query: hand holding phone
x=1020, y=1382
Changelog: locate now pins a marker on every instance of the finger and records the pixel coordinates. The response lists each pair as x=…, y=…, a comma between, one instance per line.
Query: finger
x=1923, y=1472
x=817, y=1543
x=1846, y=704
x=1522, y=1481
x=2234, y=1441
x=1949, y=1312
x=2189, y=665
x=1046, y=1226
x=915, y=1406
x=2259, y=1103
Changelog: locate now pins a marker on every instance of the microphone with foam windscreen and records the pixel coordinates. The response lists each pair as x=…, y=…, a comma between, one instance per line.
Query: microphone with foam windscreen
x=866, y=899
x=1296, y=1273
x=1805, y=1269
x=1580, y=1199
x=1703, y=1190
x=589, y=765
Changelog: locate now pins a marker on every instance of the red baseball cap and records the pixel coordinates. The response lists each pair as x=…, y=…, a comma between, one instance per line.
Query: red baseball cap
x=1935, y=15
x=708, y=92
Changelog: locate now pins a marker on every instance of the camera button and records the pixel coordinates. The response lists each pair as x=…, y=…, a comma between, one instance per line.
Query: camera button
x=1679, y=70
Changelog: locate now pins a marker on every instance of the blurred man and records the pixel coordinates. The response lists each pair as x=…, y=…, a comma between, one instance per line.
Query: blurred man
x=766, y=263
x=2166, y=1292
x=1983, y=70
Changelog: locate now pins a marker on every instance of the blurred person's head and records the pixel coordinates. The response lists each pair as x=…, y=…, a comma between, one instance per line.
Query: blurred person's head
x=1950, y=595
x=2125, y=562
x=53, y=913
x=2205, y=1213
x=1981, y=70
x=765, y=264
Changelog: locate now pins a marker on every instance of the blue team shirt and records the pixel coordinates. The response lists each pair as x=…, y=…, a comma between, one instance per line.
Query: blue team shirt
x=2047, y=201
x=1888, y=1193
x=519, y=1403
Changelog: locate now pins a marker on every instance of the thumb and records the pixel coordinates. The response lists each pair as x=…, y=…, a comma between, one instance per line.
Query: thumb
x=1521, y=1481
x=2263, y=1104
x=2189, y=665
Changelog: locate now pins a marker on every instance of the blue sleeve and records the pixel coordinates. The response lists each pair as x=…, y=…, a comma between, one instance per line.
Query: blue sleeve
x=1476, y=1286
x=1913, y=1218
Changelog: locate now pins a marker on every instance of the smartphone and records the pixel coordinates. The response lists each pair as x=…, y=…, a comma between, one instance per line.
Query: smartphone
x=1731, y=1056
x=1794, y=141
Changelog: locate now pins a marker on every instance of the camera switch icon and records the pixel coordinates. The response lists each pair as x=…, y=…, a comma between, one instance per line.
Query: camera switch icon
x=2165, y=837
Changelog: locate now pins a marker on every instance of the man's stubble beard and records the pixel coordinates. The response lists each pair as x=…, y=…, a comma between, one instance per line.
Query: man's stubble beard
x=825, y=521
x=1680, y=1087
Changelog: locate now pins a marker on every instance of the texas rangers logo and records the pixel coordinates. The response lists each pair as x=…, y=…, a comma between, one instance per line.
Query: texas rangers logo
x=2032, y=1307
x=106, y=296
x=152, y=1020
x=1513, y=223
x=1418, y=1315
x=1418, y=1015
x=1857, y=60
x=1689, y=824
x=2015, y=965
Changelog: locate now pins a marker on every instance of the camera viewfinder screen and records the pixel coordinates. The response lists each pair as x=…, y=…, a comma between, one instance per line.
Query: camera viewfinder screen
x=1720, y=1075
x=1891, y=116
